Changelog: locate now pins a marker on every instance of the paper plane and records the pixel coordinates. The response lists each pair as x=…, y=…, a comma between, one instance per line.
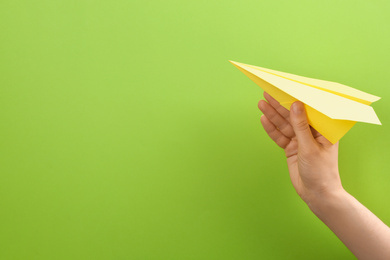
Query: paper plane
x=332, y=108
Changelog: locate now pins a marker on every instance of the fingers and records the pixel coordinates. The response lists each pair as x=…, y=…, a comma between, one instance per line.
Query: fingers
x=300, y=125
x=277, y=120
x=275, y=104
x=282, y=125
x=274, y=133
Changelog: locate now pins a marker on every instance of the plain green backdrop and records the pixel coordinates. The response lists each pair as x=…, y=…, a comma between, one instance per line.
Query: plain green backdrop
x=125, y=133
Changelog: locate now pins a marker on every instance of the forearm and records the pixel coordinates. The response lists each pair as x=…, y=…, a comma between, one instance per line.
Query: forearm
x=358, y=228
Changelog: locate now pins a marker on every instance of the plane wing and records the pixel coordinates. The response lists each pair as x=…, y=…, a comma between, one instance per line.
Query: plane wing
x=332, y=108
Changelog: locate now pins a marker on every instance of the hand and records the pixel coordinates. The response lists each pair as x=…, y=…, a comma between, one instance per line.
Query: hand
x=312, y=163
x=312, y=160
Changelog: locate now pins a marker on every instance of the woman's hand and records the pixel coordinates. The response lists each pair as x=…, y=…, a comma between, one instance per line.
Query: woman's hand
x=313, y=166
x=312, y=160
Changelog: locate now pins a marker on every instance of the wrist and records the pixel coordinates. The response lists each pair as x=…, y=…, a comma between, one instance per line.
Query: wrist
x=321, y=202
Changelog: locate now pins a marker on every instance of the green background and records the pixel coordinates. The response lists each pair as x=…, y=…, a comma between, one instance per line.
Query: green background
x=125, y=133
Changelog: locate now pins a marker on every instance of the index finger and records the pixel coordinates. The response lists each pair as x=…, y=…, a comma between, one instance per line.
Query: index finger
x=275, y=104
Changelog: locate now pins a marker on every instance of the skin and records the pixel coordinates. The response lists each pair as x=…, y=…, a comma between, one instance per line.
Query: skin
x=313, y=167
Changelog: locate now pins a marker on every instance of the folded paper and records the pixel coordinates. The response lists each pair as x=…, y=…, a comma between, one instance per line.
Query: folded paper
x=332, y=108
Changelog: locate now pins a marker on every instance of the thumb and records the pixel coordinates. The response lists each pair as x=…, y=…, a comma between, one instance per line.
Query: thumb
x=300, y=124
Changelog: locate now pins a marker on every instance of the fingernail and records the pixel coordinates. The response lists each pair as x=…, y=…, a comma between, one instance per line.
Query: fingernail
x=297, y=108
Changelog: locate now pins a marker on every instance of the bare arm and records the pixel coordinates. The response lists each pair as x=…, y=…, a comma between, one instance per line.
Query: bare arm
x=313, y=166
x=358, y=228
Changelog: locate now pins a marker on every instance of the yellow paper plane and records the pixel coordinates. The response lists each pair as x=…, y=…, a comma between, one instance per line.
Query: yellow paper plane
x=332, y=108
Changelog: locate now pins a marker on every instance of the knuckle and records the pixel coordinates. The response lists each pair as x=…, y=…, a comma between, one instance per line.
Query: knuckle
x=283, y=126
x=302, y=125
x=286, y=128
